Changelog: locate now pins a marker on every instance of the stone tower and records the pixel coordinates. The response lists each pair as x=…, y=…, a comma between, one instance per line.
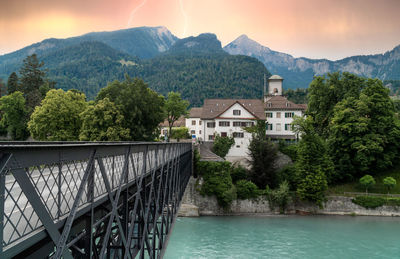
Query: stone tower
x=275, y=85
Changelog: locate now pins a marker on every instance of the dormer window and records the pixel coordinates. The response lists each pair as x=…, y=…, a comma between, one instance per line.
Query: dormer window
x=287, y=104
x=236, y=112
x=269, y=104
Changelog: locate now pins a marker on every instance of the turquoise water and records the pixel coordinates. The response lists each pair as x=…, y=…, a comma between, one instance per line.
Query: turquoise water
x=285, y=237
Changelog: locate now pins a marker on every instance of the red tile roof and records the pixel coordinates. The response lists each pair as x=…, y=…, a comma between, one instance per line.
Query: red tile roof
x=215, y=107
x=279, y=102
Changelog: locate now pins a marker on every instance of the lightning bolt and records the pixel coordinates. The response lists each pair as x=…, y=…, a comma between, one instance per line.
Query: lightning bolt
x=185, y=16
x=134, y=11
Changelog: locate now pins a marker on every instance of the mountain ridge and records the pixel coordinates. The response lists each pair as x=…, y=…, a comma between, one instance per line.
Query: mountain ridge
x=299, y=72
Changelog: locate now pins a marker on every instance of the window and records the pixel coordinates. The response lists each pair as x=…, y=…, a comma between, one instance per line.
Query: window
x=238, y=134
x=193, y=132
x=247, y=124
x=224, y=123
x=210, y=137
x=269, y=114
x=278, y=127
x=199, y=122
x=237, y=124
x=224, y=134
x=278, y=114
x=269, y=126
x=288, y=127
x=236, y=112
x=193, y=122
x=210, y=124
x=199, y=131
x=289, y=114
x=269, y=104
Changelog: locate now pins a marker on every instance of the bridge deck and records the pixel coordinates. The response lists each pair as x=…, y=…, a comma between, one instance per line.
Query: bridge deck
x=84, y=200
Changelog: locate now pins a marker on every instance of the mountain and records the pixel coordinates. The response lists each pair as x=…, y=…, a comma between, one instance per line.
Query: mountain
x=299, y=72
x=88, y=66
x=198, y=68
x=143, y=42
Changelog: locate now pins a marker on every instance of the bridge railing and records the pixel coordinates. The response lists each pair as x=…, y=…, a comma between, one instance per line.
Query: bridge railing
x=84, y=200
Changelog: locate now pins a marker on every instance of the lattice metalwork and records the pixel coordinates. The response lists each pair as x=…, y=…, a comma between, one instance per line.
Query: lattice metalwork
x=90, y=200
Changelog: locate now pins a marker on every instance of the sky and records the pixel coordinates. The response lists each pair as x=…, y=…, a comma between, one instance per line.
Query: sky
x=331, y=29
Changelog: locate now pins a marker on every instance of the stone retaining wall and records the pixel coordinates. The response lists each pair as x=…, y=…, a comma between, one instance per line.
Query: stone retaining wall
x=194, y=204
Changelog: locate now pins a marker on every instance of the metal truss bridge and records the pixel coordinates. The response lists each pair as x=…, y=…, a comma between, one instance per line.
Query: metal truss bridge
x=90, y=200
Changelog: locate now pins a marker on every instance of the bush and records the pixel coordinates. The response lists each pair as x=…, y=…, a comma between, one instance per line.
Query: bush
x=389, y=182
x=238, y=173
x=313, y=187
x=367, y=181
x=180, y=133
x=369, y=202
x=217, y=181
x=288, y=173
x=288, y=149
x=279, y=197
x=246, y=190
x=222, y=145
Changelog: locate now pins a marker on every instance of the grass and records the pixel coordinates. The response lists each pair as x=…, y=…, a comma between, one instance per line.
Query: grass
x=377, y=188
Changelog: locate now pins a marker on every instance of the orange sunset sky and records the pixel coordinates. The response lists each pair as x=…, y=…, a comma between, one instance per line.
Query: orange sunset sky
x=312, y=28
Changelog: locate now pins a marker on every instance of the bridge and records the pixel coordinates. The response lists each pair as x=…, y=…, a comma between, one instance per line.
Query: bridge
x=90, y=200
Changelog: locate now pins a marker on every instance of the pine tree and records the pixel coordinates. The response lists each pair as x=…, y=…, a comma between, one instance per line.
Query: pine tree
x=12, y=83
x=32, y=77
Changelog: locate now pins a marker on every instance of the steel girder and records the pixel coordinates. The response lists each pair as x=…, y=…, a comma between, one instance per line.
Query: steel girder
x=90, y=200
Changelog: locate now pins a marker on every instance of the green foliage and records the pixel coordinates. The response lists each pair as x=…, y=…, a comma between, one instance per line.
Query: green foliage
x=325, y=93
x=389, y=182
x=175, y=107
x=298, y=96
x=58, y=117
x=369, y=202
x=288, y=149
x=222, y=145
x=14, y=115
x=288, y=174
x=217, y=181
x=180, y=133
x=3, y=88
x=102, y=121
x=142, y=108
x=367, y=181
x=314, y=167
x=246, y=190
x=280, y=197
x=238, y=173
x=263, y=154
x=12, y=83
x=32, y=77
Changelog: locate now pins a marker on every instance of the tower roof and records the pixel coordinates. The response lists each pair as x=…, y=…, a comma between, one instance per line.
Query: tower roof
x=276, y=77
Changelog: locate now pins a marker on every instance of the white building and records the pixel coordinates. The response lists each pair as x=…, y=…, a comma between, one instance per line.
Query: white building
x=226, y=117
x=279, y=111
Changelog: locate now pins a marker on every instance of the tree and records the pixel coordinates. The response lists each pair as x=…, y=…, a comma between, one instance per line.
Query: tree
x=313, y=165
x=14, y=115
x=102, y=121
x=142, y=108
x=175, y=107
x=364, y=134
x=12, y=83
x=32, y=77
x=389, y=182
x=222, y=145
x=57, y=119
x=325, y=93
x=367, y=181
x=263, y=154
x=180, y=133
x=3, y=89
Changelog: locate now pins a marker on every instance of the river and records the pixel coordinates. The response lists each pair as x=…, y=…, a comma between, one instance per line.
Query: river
x=285, y=237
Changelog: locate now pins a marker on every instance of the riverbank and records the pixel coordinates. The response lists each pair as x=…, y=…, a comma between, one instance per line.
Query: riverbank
x=194, y=204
